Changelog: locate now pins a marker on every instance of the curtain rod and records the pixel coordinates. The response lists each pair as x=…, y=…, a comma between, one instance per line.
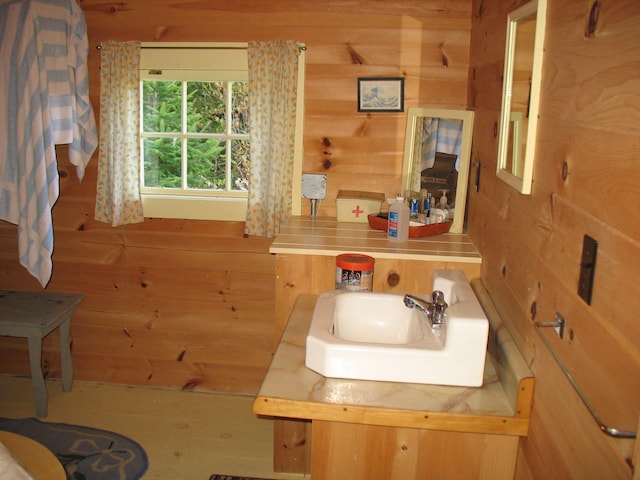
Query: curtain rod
x=301, y=47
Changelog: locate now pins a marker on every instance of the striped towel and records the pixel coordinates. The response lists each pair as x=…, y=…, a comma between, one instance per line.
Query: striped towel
x=441, y=135
x=44, y=101
x=63, y=37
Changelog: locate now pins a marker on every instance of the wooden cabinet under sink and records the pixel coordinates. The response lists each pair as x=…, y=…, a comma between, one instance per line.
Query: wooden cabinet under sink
x=367, y=430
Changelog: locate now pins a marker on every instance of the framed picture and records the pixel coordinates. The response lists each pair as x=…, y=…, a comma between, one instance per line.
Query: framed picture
x=381, y=94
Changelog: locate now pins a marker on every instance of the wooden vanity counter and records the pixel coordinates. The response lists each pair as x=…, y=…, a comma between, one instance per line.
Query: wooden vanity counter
x=401, y=430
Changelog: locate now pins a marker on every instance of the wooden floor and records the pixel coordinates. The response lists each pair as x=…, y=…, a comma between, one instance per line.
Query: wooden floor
x=187, y=435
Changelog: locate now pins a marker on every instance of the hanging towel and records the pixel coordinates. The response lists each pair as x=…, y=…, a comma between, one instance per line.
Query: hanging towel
x=62, y=32
x=44, y=101
x=441, y=135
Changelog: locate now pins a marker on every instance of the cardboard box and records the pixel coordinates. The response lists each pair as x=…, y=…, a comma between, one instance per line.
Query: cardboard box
x=354, y=206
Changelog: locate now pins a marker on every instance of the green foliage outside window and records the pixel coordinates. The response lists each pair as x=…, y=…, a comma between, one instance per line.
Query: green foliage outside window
x=211, y=136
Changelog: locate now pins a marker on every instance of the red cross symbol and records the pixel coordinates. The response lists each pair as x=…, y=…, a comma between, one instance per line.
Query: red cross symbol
x=357, y=211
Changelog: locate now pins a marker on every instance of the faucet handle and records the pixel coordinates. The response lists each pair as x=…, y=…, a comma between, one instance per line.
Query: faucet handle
x=439, y=307
x=438, y=298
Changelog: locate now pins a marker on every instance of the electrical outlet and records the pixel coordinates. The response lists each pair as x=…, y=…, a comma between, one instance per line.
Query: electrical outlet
x=314, y=186
x=587, y=268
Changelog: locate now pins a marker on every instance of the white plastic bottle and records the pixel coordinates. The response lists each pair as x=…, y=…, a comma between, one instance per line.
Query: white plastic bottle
x=398, y=229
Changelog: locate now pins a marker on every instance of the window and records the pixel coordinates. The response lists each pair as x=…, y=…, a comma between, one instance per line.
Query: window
x=195, y=136
x=194, y=131
x=194, y=162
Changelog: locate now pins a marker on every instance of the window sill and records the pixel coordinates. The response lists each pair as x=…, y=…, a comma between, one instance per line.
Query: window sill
x=195, y=208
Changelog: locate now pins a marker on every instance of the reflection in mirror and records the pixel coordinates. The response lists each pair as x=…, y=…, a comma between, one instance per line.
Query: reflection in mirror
x=521, y=94
x=516, y=144
x=436, y=156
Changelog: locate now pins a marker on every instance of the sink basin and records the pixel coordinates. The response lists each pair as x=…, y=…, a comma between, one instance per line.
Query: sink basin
x=381, y=318
x=374, y=336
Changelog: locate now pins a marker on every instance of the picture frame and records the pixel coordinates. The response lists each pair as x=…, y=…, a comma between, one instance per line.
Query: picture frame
x=381, y=94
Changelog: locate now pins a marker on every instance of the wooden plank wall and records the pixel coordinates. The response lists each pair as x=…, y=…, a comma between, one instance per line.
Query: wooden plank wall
x=589, y=128
x=188, y=304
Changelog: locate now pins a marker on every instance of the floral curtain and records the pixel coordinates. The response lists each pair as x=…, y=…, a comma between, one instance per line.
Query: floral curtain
x=118, y=194
x=273, y=75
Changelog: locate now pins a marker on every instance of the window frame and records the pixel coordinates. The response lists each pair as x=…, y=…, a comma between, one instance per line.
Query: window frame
x=197, y=62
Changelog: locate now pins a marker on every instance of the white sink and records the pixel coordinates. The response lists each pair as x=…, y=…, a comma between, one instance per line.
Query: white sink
x=381, y=318
x=374, y=336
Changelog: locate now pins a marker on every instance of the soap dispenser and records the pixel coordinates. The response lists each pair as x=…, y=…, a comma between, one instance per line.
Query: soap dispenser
x=444, y=201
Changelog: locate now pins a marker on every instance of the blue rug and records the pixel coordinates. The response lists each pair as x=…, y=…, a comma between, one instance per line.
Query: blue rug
x=85, y=453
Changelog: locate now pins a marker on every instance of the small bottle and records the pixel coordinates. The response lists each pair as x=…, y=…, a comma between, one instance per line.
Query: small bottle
x=398, y=229
x=413, y=207
x=444, y=201
x=444, y=204
x=424, y=196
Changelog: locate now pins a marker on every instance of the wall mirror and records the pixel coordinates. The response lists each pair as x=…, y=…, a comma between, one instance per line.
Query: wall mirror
x=436, y=156
x=521, y=94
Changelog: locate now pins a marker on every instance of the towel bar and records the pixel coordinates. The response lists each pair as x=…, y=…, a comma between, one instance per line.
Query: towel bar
x=611, y=431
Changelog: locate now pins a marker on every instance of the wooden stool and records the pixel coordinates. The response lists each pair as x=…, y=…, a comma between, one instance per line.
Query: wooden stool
x=34, y=315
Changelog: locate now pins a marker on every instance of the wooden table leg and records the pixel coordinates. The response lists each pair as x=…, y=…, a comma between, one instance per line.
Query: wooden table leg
x=37, y=379
x=65, y=356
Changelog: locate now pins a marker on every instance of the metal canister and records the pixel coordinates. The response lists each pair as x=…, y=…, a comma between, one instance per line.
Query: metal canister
x=354, y=272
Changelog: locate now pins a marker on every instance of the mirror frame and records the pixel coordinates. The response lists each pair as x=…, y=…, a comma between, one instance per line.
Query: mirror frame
x=523, y=183
x=465, y=154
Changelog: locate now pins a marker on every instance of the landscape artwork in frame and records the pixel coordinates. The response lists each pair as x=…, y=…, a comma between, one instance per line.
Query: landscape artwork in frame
x=381, y=94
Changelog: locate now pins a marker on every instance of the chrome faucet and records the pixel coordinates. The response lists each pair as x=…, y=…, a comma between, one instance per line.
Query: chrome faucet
x=435, y=311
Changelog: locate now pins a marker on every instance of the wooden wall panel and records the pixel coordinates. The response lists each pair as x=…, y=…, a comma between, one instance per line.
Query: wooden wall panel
x=586, y=181
x=189, y=304
x=168, y=294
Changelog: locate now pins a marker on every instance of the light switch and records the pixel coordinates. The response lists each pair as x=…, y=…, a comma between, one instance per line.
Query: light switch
x=587, y=268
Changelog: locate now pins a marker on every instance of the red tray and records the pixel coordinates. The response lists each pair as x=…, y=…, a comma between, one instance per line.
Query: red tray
x=378, y=222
